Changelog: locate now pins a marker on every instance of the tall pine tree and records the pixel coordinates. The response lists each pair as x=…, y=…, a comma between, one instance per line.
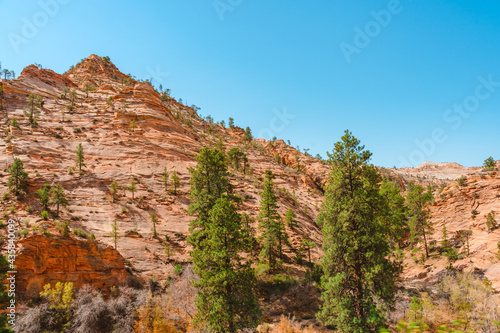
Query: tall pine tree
x=209, y=181
x=273, y=235
x=226, y=300
x=417, y=203
x=358, y=276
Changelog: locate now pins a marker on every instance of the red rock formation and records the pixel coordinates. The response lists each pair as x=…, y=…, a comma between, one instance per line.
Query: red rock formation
x=43, y=260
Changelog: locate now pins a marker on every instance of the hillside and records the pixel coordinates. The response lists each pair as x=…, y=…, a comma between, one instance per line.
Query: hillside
x=169, y=135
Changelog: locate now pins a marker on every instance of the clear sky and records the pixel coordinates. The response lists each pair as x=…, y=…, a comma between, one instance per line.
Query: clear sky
x=414, y=80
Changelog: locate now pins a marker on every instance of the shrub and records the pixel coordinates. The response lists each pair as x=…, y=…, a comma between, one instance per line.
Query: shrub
x=45, y=215
x=70, y=170
x=81, y=233
x=178, y=269
x=491, y=223
x=461, y=180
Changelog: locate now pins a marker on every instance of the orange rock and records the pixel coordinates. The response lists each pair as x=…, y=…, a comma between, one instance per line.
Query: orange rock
x=43, y=260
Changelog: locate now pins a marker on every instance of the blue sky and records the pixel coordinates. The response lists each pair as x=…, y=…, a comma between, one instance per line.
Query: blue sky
x=281, y=67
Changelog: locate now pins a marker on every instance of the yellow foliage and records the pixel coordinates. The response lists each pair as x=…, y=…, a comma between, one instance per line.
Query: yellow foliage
x=151, y=318
x=60, y=297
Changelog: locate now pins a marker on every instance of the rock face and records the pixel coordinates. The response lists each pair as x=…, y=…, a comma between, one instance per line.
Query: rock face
x=43, y=260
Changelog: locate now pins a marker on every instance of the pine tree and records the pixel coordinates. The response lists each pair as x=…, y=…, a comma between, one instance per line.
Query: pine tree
x=273, y=235
x=290, y=219
x=358, y=276
x=176, y=182
x=168, y=250
x=445, y=242
x=18, y=179
x=114, y=233
x=44, y=196
x=226, y=300
x=113, y=189
x=396, y=221
x=80, y=157
x=132, y=188
x=58, y=197
x=31, y=109
x=489, y=163
x=248, y=134
x=164, y=178
x=231, y=122
x=419, y=214
x=209, y=181
x=73, y=96
x=154, y=221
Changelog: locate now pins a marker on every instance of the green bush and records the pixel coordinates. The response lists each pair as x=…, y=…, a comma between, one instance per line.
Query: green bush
x=45, y=215
x=178, y=269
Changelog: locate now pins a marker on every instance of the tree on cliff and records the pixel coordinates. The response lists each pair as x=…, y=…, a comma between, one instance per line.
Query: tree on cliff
x=31, y=109
x=489, y=163
x=154, y=221
x=58, y=197
x=18, y=179
x=417, y=204
x=44, y=196
x=164, y=178
x=226, y=300
x=113, y=189
x=270, y=223
x=248, y=134
x=80, y=157
x=176, y=182
x=358, y=276
x=114, y=233
x=132, y=188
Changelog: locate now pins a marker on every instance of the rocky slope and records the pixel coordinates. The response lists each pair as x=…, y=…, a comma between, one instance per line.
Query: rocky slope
x=170, y=134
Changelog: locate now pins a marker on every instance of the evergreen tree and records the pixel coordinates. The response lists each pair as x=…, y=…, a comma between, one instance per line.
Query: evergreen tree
x=226, y=300
x=231, y=122
x=113, y=189
x=114, y=233
x=132, y=188
x=31, y=109
x=44, y=196
x=164, y=178
x=154, y=221
x=419, y=214
x=73, y=96
x=58, y=197
x=290, y=219
x=358, y=276
x=80, y=157
x=489, y=163
x=209, y=180
x=176, y=182
x=248, y=134
x=445, y=242
x=18, y=179
x=396, y=221
x=273, y=235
